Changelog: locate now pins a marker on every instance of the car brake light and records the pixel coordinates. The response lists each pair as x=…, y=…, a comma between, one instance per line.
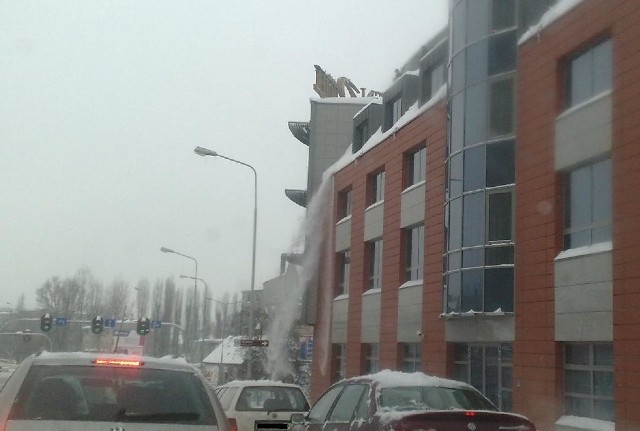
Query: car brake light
x=469, y=413
x=118, y=362
x=234, y=424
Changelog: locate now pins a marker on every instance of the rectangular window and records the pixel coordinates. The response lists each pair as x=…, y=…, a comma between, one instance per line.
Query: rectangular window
x=500, y=216
x=411, y=357
x=362, y=135
x=414, y=253
x=501, y=111
x=375, y=264
x=344, y=203
x=432, y=80
x=416, y=166
x=371, y=358
x=590, y=73
x=488, y=368
x=344, y=265
x=588, y=205
x=589, y=386
x=376, y=187
x=340, y=361
x=396, y=110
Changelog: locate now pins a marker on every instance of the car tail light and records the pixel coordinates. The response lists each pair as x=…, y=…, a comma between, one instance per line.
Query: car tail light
x=118, y=362
x=233, y=424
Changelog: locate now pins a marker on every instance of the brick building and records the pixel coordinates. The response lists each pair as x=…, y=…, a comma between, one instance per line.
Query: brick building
x=483, y=225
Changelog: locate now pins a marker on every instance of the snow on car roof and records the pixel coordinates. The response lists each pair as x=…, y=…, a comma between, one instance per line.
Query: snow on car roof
x=390, y=378
x=259, y=383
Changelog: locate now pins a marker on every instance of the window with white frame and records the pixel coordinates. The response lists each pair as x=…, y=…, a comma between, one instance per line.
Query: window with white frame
x=344, y=203
x=396, y=110
x=588, y=205
x=371, y=358
x=590, y=73
x=416, y=166
x=344, y=268
x=375, y=264
x=376, y=187
x=414, y=253
x=411, y=357
x=340, y=361
x=589, y=384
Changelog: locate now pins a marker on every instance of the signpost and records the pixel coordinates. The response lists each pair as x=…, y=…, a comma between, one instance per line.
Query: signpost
x=109, y=323
x=245, y=342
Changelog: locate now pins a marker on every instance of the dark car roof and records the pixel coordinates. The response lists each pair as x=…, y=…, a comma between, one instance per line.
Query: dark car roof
x=86, y=359
x=390, y=378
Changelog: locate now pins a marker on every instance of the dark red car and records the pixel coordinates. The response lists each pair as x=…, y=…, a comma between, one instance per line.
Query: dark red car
x=397, y=401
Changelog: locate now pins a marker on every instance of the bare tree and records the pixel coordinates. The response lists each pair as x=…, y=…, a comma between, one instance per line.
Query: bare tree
x=177, y=318
x=143, y=294
x=20, y=304
x=117, y=296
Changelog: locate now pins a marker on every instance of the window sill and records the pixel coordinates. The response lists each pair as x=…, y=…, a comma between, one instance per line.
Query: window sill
x=371, y=291
x=577, y=423
x=471, y=313
x=341, y=297
x=413, y=187
x=584, y=104
x=373, y=205
x=601, y=247
x=344, y=219
x=411, y=283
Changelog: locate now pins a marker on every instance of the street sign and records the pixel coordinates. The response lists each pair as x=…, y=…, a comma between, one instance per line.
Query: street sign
x=156, y=324
x=245, y=342
x=109, y=323
x=121, y=332
x=61, y=321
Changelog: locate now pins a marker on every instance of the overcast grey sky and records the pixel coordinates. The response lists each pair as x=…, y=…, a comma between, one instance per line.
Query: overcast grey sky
x=102, y=103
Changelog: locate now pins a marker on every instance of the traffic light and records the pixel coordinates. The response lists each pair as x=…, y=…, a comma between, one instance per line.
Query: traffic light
x=143, y=326
x=97, y=325
x=46, y=322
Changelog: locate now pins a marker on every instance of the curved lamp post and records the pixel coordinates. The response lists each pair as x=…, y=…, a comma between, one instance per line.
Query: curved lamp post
x=206, y=152
x=195, y=281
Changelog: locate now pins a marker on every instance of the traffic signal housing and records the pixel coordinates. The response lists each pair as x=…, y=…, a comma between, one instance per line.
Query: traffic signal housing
x=97, y=325
x=143, y=326
x=46, y=322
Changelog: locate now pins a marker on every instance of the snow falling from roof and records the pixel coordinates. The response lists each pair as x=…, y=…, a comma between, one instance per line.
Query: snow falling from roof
x=555, y=12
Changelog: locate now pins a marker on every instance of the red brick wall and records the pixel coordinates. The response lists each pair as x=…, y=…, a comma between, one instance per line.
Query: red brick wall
x=537, y=359
x=428, y=128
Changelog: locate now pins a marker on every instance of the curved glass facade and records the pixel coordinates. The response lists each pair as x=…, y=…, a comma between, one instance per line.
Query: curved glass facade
x=479, y=255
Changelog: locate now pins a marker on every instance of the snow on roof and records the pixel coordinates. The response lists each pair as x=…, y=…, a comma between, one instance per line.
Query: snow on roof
x=259, y=383
x=555, y=12
x=232, y=354
x=586, y=423
x=344, y=100
x=378, y=137
x=376, y=101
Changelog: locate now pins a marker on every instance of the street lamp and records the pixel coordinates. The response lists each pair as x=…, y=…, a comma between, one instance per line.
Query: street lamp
x=195, y=280
x=204, y=313
x=206, y=152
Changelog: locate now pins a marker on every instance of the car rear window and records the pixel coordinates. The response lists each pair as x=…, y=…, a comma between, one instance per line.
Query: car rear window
x=226, y=396
x=84, y=393
x=271, y=398
x=432, y=398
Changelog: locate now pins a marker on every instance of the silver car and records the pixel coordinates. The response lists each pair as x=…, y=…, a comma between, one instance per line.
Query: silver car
x=87, y=391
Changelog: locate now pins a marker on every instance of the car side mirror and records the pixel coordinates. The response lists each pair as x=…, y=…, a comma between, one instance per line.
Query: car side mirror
x=297, y=418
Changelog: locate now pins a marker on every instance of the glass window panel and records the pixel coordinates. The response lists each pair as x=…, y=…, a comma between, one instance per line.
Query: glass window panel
x=577, y=239
x=457, y=122
x=601, y=234
x=501, y=163
x=579, y=208
x=603, y=354
x=454, y=292
x=455, y=260
x=437, y=78
x=603, y=383
x=458, y=72
x=476, y=62
x=506, y=354
x=578, y=406
x=471, y=258
x=507, y=401
x=345, y=407
x=491, y=370
x=460, y=352
x=580, y=89
x=474, y=168
x=502, y=14
x=477, y=20
x=577, y=381
x=507, y=373
x=472, y=290
x=459, y=26
x=473, y=220
x=498, y=289
x=455, y=224
x=602, y=192
x=604, y=410
x=321, y=408
x=577, y=354
x=475, y=128
x=477, y=368
x=602, y=65
x=498, y=255
x=461, y=372
x=456, y=173
x=502, y=52
x=500, y=216
x=501, y=110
